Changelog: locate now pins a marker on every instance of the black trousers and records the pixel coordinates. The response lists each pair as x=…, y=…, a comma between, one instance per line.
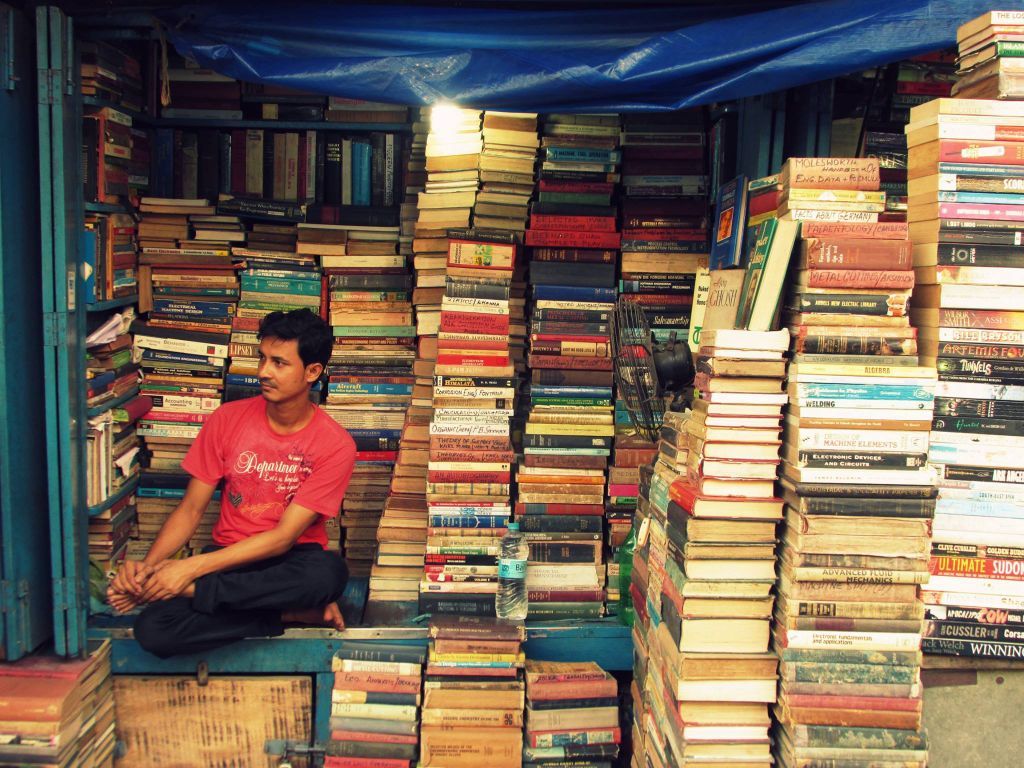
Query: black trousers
x=244, y=602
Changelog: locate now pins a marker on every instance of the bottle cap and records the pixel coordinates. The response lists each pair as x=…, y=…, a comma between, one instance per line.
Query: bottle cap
x=513, y=526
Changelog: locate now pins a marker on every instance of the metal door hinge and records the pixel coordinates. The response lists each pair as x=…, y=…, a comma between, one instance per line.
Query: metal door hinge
x=12, y=593
x=55, y=329
x=62, y=594
x=50, y=84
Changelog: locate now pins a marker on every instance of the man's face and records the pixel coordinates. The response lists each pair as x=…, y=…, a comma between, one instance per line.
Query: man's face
x=281, y=374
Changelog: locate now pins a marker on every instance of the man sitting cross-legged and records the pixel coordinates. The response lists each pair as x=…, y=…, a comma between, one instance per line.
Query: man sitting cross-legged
x=285, y=465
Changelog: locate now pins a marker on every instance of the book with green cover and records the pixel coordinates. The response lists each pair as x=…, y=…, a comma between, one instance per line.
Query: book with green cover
x=766, y=271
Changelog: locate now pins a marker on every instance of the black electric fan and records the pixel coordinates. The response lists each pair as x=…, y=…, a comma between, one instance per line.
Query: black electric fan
x=651, y=376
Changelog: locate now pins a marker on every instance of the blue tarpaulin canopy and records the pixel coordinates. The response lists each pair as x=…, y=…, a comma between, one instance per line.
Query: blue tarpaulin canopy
x=621, y=59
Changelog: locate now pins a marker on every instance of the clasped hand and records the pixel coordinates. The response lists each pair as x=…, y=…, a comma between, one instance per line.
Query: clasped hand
x=138, y=583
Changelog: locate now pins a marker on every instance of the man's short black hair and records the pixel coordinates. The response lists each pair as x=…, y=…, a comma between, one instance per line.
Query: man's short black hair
x=309, y=329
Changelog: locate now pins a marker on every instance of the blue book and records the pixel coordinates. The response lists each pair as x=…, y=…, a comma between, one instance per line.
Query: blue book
x=361, y=169
x=582, y=155
x=162, y=178
x=573, y=293
x=973, y=169
x=1002, y=198
x=909, y=392
x=208, y=309
x=89, y=239
x=353, y=388
x=374, y=433
x=730, y=220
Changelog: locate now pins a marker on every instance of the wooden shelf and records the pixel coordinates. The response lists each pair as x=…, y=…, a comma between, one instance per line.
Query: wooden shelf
x=281, y=125
x=105, y=208
x=125, y=490
x=92, y=101
x=106, y=306
x=103, y=408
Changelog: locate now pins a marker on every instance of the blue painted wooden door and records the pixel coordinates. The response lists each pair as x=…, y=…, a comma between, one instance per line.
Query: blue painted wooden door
x=59, y=118
x=25, y=595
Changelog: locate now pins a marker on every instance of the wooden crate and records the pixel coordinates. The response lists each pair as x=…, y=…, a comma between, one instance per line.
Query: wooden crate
x=173, y=722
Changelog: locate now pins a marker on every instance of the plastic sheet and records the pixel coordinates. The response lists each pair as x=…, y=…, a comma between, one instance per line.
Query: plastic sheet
x=628, y=59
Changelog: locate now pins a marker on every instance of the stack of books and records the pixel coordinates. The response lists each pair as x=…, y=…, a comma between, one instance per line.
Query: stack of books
x=276, y=276
x=190, y=290
x=109, y=257
x=110, y=74
x=966, y=220
x=401, y=533
x=158, y=494
x=375, y=705
x=856, y=483
x=649, y=731
x=506, y=170
x=469, y=468
x=370, y=371
x=572, y=714
x=712, y=643
x=58, y=712
x=664, y=216
x=988, y=65
x=344, y=110
x=473, y=694
x=107, y=155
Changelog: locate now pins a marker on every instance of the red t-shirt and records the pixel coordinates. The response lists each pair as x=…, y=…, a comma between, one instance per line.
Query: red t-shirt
x=264, y=472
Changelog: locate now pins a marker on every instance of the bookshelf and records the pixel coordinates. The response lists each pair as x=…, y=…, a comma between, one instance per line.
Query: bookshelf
x=115, y=403
x=125, y=490
x=104, y=306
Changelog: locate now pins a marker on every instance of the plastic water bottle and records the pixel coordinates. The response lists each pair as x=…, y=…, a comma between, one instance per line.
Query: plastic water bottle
x=512, y=600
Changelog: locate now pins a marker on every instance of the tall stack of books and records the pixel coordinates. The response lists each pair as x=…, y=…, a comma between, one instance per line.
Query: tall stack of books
x=469, y=469
x=401, y=533
x=712, y=643
x=370, y=371
x=277, y=275
x=57, y=711
x=107, y=155
x=507, y=178
x=190, y=290
x=567, y=438
x=989, y=66
x=572, y=713
x=473, y=694
x=856, y=483
x=649, y=560
x=966, y=222
x=375, y=704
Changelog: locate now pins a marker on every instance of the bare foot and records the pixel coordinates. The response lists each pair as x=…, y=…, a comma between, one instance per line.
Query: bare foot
x=328, y=616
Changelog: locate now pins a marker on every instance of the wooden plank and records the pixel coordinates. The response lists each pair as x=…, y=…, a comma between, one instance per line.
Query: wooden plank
x=175, y=722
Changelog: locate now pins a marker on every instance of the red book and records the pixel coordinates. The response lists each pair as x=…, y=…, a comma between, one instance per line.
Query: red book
x=480, y=361
x=380, y=738
x=474, y=322
x=858, y=278
x=855, y=254
x=854, y=702
x=987, y=211
x=575, y=363
x=768, y=201
x=924, y=88
x=364, y=762
x=179, y=416
x=559, y=509
x=981, y=152
x=471, y=344
x=577, y=187
x=573, y=239
x=584, y=223
x=376, y=455
x=665, y=233
x=892, y=230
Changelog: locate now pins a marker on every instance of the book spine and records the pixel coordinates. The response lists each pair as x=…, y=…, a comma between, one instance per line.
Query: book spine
x=859, y=278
